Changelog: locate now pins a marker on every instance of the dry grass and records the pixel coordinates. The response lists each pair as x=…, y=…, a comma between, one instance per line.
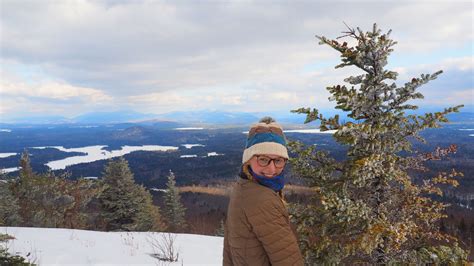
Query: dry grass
x=225, y=190
x=216, y=191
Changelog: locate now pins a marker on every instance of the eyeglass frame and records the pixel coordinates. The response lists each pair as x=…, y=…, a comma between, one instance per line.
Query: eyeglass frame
x=270, y=160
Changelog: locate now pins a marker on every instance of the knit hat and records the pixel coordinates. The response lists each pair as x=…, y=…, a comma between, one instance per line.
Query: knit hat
x=265, y=137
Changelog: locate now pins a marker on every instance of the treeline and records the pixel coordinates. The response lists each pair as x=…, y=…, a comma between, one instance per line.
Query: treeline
x=113, y=203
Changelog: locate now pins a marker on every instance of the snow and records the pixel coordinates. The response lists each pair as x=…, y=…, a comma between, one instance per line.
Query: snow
x=189, y=146
x=7, y=154
x=95, y=153
x=188, y=156
x=9, y=170
x=52, y=246
x=158, y=189
x=209, y=154
x=189, y=128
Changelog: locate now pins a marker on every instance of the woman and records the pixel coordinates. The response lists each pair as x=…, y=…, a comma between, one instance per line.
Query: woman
x=257, y=230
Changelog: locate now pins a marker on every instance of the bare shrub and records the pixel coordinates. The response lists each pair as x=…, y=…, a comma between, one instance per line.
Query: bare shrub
x=163, y=246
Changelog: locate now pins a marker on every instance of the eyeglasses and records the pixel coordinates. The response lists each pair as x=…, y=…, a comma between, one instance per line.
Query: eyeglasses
x=263, y=161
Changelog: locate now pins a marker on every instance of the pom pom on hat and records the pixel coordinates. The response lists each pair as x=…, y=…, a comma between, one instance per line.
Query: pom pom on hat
x=265, y=137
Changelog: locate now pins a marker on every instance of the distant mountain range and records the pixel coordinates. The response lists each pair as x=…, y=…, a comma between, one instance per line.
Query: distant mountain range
x=128, y=116
x=112, y=117
x=184, y=118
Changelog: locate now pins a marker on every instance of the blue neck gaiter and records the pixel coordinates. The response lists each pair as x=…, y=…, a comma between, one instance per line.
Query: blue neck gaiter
x=276, y=183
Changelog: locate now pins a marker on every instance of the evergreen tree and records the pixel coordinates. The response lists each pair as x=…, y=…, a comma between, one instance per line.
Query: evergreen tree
x=5, y=257
x=148, y=217
x=126, y=206
x=46, y=200
x=174, y=209
x=9, y=207
x=25, y=166
x=367, y=208
x=23, y=188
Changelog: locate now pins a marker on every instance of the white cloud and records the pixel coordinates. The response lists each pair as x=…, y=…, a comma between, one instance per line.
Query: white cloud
x=50, y=90
x=161, y=56
x=36, y=95
x=442, y=25
x=7, y=105
x=461, y=63
x=461, y=67
x=160, y=98
x=450, y=98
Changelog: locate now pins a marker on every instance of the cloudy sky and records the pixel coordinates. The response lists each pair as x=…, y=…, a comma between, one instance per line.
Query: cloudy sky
x=66, y=57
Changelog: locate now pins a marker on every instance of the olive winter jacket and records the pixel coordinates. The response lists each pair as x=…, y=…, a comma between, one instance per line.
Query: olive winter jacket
x=257, y=229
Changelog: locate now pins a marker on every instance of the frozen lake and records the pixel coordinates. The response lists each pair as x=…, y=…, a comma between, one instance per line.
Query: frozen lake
x=95, y=153
x=189, y=146
x=7, y=154
x=9, y=170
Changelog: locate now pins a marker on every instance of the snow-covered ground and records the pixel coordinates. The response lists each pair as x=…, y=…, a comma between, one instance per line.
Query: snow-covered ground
x=49, y=246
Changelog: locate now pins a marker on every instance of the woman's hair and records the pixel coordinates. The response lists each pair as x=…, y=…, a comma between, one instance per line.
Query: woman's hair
x=246, y=172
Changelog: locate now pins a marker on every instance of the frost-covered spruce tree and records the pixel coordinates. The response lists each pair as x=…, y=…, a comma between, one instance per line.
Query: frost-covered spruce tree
x=9, y=207
x=45, y=200
x=25, y=165
x=23, y=190
x=126, y=205
x=368, y=208
x=174, y=210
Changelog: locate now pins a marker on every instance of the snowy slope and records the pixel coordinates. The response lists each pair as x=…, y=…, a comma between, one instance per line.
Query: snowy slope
x=48, y=246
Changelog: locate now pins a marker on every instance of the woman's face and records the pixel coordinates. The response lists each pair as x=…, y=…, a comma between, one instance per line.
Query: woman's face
x=273, y=168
